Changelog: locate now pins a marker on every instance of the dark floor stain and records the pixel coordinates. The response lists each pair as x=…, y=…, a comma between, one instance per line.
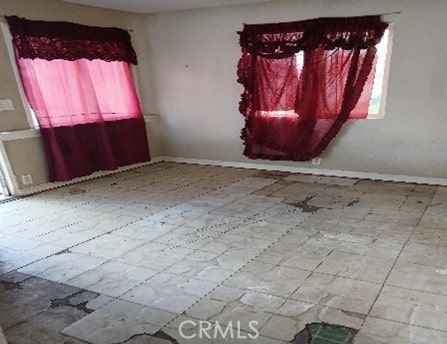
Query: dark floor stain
x=67, y=301
x=10, y=285
x=62, y=252
x=162, y=335
x=306, y=208
x=77, y=191
x=271, y=174
x=144, y=338
x=354, y=314
x=9, y=199
x=325, y=333
x=302, y=338
x=350, y=204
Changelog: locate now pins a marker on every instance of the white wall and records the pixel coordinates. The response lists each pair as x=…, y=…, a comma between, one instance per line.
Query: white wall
x=194, y=56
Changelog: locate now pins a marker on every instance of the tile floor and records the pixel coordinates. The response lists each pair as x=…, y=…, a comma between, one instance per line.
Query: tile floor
x=137, y=256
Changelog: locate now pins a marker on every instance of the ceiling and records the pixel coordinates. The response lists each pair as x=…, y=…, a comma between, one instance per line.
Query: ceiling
x=154, y=6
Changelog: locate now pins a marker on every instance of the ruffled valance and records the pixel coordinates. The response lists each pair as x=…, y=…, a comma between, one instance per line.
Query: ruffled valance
x=69, y=41
x=286, y=39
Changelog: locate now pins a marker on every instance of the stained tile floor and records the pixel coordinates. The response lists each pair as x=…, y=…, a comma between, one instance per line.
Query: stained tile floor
x=183, y=253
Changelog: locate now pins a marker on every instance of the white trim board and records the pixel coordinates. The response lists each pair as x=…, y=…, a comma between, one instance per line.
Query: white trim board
x=19, y=134
x=256, y=166
x=48, y=186
x=314, y=171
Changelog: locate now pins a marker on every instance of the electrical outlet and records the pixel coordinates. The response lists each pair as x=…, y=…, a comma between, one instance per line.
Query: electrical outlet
x=316, y=161
x=6, y=104
x=27, y=179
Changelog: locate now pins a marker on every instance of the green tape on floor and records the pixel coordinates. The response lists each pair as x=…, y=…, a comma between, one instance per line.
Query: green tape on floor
x=323, y=333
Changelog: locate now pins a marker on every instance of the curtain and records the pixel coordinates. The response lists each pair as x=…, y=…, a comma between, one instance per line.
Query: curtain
x=84, y=98
x=69, y=41
x=302, y=81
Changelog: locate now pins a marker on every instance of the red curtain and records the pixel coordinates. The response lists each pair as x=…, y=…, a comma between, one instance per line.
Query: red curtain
x=302, y=81
x=88, y=110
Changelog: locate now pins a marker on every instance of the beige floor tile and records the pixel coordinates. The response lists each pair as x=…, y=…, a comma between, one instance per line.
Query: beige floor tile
x=429, y=236
x=298, y=257
x=419, y=277
x=111, y=278
x=333, y=221
x=144, y=230
x=107, y=246
x=203, y=266
x=18, y=243
x=375, y=247
x=169, y=292
x=424, y=254
x=62, y=267
x=235, y=259
x=338, y=292
x=350, y=265
x=409, y=218
x=183, y=234
x=435, y=216
x=296, y=237
x=383, y=229
x=65, y=238
x=263, y=230
x=154, y=255
x=323, y=240
x=117, y=322
x=251, y=306
x=267, y=278
x=412, y=307
x=177, y=215
x=389, y=332
x=282, y=214
x=234, y=241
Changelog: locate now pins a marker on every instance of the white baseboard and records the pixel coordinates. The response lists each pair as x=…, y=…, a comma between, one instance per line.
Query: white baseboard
x=314, y=171
x=256, y=166
x=48, y=186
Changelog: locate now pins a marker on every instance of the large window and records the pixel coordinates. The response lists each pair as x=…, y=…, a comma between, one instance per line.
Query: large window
x=78, y=84
x=303, y=80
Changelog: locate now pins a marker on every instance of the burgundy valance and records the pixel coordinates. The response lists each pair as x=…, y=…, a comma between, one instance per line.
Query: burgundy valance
x=286, y=39
x=69, y=41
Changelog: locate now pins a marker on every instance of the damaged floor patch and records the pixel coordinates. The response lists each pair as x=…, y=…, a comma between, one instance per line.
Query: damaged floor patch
x=305, y=207
x=323, y=333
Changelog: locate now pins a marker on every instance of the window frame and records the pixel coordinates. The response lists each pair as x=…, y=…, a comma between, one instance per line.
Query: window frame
x=386, y=75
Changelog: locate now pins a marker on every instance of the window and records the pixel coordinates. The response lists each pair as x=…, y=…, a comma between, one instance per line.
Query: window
x=376, y=108
x=78, y=82
x=303, y=80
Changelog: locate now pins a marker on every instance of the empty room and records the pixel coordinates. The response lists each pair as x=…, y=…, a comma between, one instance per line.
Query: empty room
x=223, y=171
